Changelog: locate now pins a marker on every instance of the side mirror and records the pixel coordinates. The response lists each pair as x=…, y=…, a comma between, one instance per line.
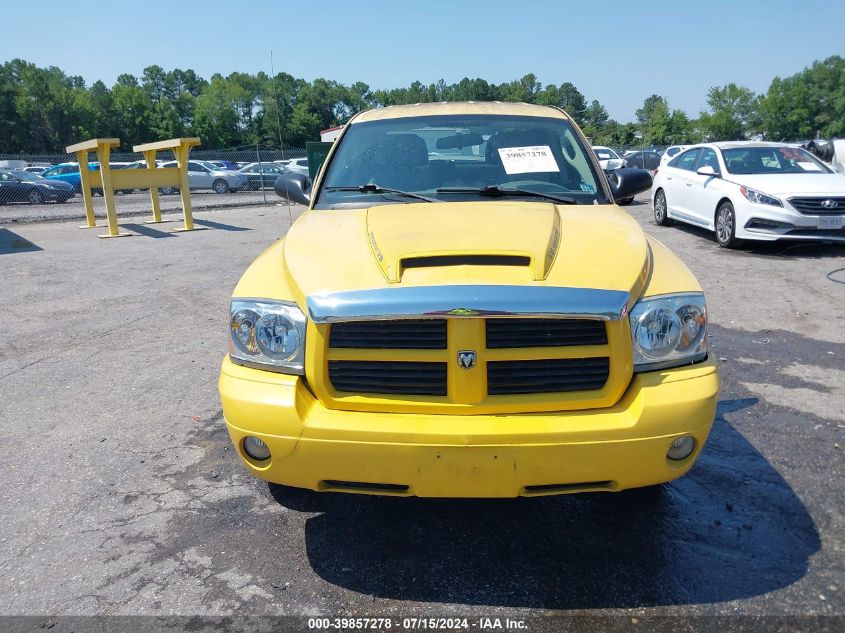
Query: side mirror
x=294, y=187
x=628, y=182
x=706, y=170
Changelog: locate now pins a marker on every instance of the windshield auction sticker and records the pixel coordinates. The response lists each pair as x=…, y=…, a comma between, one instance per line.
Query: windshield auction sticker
x=528, y=160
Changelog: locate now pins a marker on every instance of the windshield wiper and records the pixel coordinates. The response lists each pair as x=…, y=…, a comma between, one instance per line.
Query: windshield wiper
x=496, y=190
x=374, y=188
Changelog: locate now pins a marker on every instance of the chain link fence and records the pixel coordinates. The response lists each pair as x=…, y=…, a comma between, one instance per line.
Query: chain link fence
x=227, y=177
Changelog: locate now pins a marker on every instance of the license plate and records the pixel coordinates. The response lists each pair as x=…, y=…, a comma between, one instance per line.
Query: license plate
x=834, y=222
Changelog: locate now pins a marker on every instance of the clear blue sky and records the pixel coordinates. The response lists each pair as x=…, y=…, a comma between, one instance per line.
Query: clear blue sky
x=616, y=52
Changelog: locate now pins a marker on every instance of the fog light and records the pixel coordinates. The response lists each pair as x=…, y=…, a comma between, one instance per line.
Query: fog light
x=256, y=449
x=681, y=448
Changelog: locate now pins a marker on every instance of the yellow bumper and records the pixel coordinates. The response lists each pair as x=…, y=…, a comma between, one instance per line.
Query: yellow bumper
x=623, y=446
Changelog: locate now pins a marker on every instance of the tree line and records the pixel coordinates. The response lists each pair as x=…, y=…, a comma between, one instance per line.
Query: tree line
x=43, y=109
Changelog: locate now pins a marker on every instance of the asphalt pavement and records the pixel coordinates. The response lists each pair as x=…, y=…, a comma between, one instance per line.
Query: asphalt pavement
x=120, y=492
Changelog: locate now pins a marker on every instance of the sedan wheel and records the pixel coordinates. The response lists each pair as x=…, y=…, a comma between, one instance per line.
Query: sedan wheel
x=220, y=186
x=726, y=226
x=35, y=197
x=661, y=213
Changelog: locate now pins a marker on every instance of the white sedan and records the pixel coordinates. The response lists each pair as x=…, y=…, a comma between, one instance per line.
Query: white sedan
x=608, y=159
x=751, y=191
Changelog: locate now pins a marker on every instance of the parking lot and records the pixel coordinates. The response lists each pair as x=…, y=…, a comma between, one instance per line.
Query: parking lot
x=132, y=204
x=121, y=494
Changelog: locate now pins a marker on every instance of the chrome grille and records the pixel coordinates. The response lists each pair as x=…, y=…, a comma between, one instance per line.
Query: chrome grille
x=813, y=205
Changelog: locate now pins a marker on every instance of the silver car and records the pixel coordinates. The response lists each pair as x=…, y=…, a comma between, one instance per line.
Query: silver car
x=204, y=175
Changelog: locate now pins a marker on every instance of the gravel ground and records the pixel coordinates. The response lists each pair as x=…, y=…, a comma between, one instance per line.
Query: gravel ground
x=120, y=493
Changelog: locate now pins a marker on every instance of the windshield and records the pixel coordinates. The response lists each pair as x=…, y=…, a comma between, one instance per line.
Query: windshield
x=26, y=175
x=464, y=153
x=772, y=160
x=604, y=154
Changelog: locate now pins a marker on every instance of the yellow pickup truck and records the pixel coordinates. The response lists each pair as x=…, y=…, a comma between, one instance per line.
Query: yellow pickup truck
x=464, y=311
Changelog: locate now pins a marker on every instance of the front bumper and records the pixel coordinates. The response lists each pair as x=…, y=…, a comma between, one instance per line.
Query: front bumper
x=769, y=223
x=623, y=446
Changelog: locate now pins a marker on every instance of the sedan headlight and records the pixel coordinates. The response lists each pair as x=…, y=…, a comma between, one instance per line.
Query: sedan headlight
x=759, y=198
x=669, y=330
x=267, y=335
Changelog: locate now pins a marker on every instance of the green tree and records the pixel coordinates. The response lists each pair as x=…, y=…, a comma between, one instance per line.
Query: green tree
x=733, y=113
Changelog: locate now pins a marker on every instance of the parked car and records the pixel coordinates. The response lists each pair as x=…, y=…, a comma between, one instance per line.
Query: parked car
x=223, y=164
x=36, y=169
x=18, y=185
x=670, y=153
x=608, y=159
x=297, y=165
x=642, y=159
x=262, y=175
x=751, y=191
x=201, y=175
x=478, y=328
x=69, y=173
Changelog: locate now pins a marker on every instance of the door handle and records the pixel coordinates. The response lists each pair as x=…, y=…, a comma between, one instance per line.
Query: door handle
x=668, y=177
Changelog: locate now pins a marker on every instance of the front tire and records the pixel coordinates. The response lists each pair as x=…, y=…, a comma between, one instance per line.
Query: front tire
x=726, y=226
x=35, y=197
x=220, y=186
x=661, y=211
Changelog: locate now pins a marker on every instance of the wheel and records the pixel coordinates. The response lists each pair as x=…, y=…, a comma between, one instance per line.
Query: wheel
x=35, y=197
x=661, y=212
x=726, y=226
x=220, y=186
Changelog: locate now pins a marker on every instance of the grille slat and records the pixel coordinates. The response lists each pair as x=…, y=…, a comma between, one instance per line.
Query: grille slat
x=388, y=377
x=401, y=334
x=547, y=376
x=813, y=206
x=518, y=333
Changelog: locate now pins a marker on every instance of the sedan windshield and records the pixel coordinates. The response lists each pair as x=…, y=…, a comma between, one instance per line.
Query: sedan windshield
x=27, y=175
x=459, y=157
x=772, y=160
x=605, y=154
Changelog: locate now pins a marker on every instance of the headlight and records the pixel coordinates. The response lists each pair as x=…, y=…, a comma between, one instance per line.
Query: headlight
x=668, y=331
x=759, y=198
x=267, y=334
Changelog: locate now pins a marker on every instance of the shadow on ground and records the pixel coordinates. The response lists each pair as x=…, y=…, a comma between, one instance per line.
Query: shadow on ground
x=11, y=242
x=733, y=528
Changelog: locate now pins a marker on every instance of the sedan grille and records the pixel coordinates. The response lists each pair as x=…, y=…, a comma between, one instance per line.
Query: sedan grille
x=816, y=205
x=547, y=376
x=389, y=377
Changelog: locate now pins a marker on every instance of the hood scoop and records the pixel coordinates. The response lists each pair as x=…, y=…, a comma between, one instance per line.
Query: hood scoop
x=435, y=261
x=464, y=234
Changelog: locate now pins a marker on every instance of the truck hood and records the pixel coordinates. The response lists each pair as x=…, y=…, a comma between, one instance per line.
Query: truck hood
x=785, y=185
x=466, y=243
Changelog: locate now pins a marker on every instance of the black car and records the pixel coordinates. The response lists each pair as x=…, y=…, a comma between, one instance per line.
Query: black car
x=262, y=175
x=648, y=159
x=17, y=185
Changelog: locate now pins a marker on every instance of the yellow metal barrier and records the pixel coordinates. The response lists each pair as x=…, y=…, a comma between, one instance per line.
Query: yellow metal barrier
x=150, y=178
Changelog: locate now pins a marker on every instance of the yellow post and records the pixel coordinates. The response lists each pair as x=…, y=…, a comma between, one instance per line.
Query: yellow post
x=181, y=148
x=85, y=185
x=104, y=154
x=102, y=146
x=150, y=159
